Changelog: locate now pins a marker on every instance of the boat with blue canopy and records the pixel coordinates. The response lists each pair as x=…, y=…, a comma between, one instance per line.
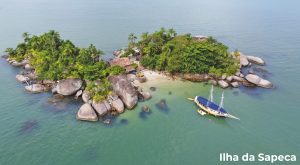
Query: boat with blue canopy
x=209, y=107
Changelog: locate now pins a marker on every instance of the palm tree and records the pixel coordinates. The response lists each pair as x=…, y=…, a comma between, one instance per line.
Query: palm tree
x=94, y=53
x=132, y=37
x=172, y=33
x=26, y=36
x=144, y=35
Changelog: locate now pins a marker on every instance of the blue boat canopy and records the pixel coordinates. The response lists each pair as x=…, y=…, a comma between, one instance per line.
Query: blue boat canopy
x=210, y=104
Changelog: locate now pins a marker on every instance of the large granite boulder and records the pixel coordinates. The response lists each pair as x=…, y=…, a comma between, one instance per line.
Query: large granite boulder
x=124, y=89
x=229, y=78
x=223, y=84
x=68, y=86
x=21, y=78
x=144, y=95
x=35, y=88
x=78, y=93
x=256, y=60
x=196, y=77
x=213, y=82
x=28, y=67
x=118, y=105
x=18, y=64
x=254, y=79
x=237, y=78
x=131, y=77
x=235, y=84
x=87, y=113
x=48, y=82
x=86, y=96
x=101, y=107
x=243, y=60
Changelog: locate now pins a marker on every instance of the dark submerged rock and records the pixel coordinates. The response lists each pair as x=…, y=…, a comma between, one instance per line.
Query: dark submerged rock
x=235, y=93
x=28, y=126
x=162, y=106
x=145, y=108
x=152, y=89
x=124, y=121
x=144, y=115
x=107, y=121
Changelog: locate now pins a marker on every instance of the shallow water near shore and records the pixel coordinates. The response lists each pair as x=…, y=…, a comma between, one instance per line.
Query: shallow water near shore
x=33, y=131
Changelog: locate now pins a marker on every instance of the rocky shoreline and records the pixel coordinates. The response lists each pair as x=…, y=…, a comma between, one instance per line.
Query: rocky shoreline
x=246, y=75
x=125, y=95
x=126, y=92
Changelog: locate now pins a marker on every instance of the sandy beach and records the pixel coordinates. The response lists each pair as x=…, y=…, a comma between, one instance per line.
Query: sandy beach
x=154, y=78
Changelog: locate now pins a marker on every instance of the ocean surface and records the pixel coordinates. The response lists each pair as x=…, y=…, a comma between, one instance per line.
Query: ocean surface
x=34, y=131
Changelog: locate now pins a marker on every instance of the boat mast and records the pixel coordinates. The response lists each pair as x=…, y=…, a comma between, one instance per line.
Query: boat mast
x=212, y=94
x=222, y=101
x=211, y=97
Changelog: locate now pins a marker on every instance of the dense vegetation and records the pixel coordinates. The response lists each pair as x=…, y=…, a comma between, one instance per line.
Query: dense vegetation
x=164, y=50
x=54, y=58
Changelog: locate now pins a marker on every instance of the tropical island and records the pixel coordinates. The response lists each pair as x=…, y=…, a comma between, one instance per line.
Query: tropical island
x=52, y=64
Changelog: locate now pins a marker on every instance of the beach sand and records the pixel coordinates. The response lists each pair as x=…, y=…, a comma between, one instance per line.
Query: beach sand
x=154, y=78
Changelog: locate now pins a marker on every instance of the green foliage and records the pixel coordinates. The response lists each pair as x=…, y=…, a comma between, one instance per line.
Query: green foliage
x=99, y=89
x=115, y=70
x=54, y=58
x=134, y=65
x=165, y=50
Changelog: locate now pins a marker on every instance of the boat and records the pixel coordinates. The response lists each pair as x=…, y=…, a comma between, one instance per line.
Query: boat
x=201, y=112
x=211, y=108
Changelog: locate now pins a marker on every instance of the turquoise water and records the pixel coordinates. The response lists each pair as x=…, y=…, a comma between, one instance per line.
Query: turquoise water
x=33, y=131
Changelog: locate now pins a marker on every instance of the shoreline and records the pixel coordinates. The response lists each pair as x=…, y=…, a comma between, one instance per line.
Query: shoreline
x=110, y=88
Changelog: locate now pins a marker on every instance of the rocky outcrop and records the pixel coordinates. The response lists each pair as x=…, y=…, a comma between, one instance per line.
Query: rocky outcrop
x=87, y=113
x=145, y=108
x=236, y=78
x=48, y=82
x=213, y=82
x=144, y=95
x=256, y=60
x=235, y=84
x=32, y=75
x=18, y=64
x=78, y=93
x=229, y=78
x=118, y=105
x=223, y=84
x=86, y=97
x=124, y=89
x=243, y=60
x=54, y=89
x=142, y=79
x=101, y=107
x=195, y=77
x=131, y=77
x=68, y=86
x=254, y=79
x=28, y=67
x=35, y=88
x=21, y=78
